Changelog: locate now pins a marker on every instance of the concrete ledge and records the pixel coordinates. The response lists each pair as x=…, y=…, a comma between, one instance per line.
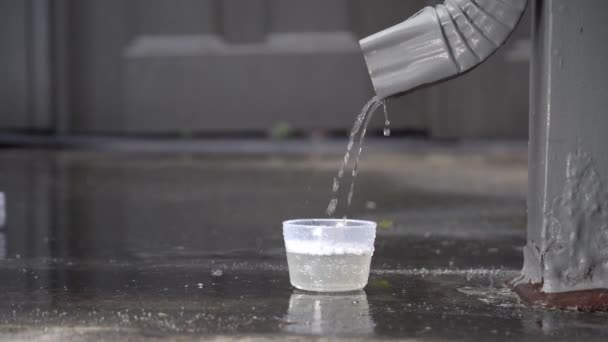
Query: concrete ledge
x=205, y=84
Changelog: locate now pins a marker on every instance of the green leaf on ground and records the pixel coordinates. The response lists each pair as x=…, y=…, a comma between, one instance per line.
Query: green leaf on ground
x=386, y=224
x=381, y=284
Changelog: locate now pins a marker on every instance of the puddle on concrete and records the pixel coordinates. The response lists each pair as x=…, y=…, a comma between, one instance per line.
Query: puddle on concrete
x=498, y=296
x=131, y=246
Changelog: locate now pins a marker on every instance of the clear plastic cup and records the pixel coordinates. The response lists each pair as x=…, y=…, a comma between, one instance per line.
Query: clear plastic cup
x=329, y=255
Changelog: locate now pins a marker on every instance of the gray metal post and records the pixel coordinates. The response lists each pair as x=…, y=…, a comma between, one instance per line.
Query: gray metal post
x=567, y=246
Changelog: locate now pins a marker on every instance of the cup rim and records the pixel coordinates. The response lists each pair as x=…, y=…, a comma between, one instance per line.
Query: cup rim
x=356, y=224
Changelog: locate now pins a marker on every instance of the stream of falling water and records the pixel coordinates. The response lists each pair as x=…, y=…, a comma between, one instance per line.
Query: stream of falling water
x=361, y=123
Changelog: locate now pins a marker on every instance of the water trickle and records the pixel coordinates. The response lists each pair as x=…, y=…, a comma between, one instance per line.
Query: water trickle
x=360, y=126
x=361, y=141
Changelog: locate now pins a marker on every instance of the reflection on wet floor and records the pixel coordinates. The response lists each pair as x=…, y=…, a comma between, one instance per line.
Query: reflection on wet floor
x=120, y=245
x=329, y=314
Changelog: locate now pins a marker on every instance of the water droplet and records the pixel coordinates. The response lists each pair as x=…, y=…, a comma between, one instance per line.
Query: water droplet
x=347, y=156
x=217, y=273
x=350, y=195
x=331, y=208
x=387, y=122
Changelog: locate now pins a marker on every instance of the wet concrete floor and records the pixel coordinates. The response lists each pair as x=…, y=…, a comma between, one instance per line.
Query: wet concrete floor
x=136, y=245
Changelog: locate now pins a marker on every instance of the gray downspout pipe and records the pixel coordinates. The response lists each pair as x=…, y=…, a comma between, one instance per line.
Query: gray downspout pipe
x=439, y=43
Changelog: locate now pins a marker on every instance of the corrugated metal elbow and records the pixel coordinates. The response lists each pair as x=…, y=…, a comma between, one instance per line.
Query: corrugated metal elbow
x=439, y=43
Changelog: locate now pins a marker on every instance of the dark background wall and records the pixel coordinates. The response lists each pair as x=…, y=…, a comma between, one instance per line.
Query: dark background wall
x=182, y=67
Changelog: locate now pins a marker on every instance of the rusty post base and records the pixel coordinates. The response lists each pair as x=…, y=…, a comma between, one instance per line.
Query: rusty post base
x=585, y=301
